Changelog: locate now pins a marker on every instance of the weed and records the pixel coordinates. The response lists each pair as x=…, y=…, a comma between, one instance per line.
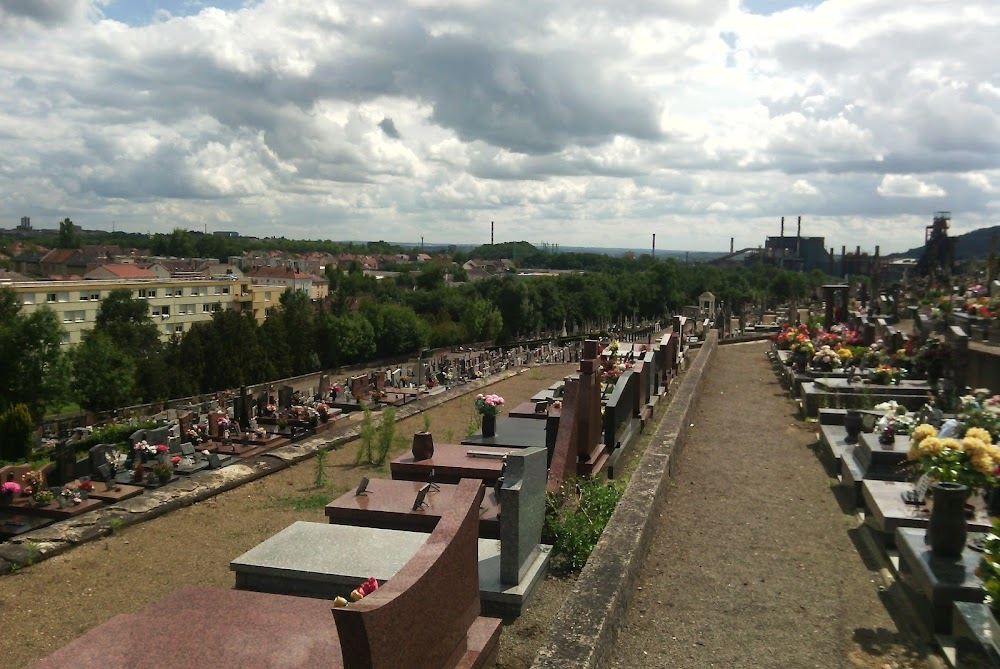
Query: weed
x=321, y=457
x=385, y=436
x=115, y=526
x=427, y=421
x=33, y=553
x=475, y=423
x=367, y=437
x=575, y=519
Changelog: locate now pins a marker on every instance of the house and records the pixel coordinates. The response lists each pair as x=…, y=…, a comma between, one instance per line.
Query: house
x=288, y=278
x=118, y=271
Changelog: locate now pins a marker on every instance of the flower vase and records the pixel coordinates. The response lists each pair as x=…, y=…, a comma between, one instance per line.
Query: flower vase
x=423, y=445
x=6, y=499
x=946, y=530
x=489, y=425
x=163, y=458
x=852, y=423
x=801, y=360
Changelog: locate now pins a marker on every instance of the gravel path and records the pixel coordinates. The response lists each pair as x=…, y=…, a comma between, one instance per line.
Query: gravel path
x=754, y=563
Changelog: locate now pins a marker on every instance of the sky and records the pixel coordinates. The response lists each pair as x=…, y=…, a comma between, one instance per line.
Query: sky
x=576, y=123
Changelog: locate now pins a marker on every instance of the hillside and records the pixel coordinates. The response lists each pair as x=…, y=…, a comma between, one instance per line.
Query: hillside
x=975, y=244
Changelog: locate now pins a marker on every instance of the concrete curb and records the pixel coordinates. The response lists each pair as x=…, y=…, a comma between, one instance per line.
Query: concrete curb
x=585, y=629
x=47, y=542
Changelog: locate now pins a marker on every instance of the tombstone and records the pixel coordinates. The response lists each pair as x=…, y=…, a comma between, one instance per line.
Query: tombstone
x=379, y=381
x=99, y=455
x=261, y=402
x=159, y=435
x=522, y=500
x=358, y=386
x=243, y=408
x=285, y=397
x=136, y=437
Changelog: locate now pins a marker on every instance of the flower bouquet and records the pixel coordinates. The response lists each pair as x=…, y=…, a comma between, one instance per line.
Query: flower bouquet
x=886, y=375
x=8, y=491
x=33, y=481
x=42, y=498
x=971, y=461
x=989, y=568
x=826, y=360
x=488, y=405
x=163, y=472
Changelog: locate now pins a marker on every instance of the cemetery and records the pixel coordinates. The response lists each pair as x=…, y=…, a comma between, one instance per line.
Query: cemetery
x=901, y=400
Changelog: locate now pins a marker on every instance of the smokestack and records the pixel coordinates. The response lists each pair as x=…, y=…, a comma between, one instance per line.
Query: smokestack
x=491, y=233
x=731, y=244
x=798, y=233
x=782, y=226
x=654, y=244
x=857, y=250
x=831, y=261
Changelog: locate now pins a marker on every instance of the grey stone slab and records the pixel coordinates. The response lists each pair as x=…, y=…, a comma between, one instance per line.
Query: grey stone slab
x=522, y=504
x=320, y=560
x=974, y=629
x=325, y=561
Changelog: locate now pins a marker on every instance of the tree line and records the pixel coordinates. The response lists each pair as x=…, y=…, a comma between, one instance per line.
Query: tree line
x=122, y=361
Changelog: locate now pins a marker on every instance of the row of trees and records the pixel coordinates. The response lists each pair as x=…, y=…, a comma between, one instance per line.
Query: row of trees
x=122, y=360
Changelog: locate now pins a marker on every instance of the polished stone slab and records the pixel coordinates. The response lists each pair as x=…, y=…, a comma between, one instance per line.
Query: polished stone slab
x=975, y=637
x=452, y=462
x=936, y=581
x=513, y=432
x=886, y=510
x=388, y=504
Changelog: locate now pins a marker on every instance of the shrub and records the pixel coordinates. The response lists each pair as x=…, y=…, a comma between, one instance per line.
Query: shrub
x=367, y=436
x=321, y=458
x=385, y=436
x=575, y=519
x=16, y=427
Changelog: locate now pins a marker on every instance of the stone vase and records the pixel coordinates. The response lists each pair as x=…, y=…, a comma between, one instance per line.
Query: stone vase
x=853, y=424
x=489, y=425
x=423, y=445
x=801, y=360
x=947, y=530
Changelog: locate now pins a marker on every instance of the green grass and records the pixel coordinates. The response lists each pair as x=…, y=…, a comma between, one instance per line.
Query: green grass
x=308, y=502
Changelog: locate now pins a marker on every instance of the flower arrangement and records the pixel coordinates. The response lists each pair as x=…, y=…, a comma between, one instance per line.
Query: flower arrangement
x=980, y=410
x=223, y=422
x=488, y=405
x=826, y=359
x=42, y=498
x=143, y=447
x=270, y=409
x=85, y=486
x=803, y=345
x=194, y=435
x=971, y=461
x=71, y=496
x=176, y=460
x=163, y=471
x=10, y=488
x=886, y=375
x=33, y=480
x=613, y=347
x=162, y=448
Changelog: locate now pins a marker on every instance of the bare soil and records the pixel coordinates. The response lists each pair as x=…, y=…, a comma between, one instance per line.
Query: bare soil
x=53, y=602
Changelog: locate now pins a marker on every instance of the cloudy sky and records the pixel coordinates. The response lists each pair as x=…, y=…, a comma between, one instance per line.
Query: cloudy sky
x=578, y=123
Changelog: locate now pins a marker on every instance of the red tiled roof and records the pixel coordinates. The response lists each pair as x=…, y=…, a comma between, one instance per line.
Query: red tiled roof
x=129, y=272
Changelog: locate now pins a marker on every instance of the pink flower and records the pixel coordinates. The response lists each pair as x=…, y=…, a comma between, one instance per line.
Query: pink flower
x=162, y=448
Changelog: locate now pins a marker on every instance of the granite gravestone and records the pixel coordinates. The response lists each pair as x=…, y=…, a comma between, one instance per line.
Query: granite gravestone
x=522, y=515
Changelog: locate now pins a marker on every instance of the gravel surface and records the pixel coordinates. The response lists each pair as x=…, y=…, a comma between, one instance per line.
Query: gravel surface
x=754, y=564
x=51, y=603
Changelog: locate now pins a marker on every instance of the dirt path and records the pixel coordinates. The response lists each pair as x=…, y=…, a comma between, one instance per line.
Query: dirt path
x=47, y=605
x=754, y=564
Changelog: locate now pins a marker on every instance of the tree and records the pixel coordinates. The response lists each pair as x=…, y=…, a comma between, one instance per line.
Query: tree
x=481, y=321
x=126, y=321
x=342, y=340
x=16, y=426
x=103, y=374
x=36, y=371
x=398, y=329
x=69, y=237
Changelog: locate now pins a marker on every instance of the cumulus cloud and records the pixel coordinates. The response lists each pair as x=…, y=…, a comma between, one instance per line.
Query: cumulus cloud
x=700, y=120
x=907, y=185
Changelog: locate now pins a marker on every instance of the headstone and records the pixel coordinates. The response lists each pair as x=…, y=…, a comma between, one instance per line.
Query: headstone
x=285, y=397
x=522, y=500
x=159, y=435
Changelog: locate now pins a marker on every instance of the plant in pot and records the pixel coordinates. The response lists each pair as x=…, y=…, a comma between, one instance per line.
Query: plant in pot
x=8, y=491
x=163, y=472
x=488, y=406
x=957, y=469
x=42, y=498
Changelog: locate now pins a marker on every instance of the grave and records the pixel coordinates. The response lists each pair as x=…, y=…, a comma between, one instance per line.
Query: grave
x=935, y=581
x=513, y=432
x=975, y=636
x=887, y=509
x=13, y=524
x=452, y=462
x=424, y=618
x=845, y=394
x=870, y=459
x=316, y=560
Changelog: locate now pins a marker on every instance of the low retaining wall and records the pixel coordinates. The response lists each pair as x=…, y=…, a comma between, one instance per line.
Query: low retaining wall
x=585, y=629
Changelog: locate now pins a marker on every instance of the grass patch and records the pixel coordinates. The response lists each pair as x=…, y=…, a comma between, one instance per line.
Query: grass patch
x=575, y=518
x=308, y=502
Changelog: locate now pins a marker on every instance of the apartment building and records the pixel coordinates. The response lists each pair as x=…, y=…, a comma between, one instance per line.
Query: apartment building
x=174, y=304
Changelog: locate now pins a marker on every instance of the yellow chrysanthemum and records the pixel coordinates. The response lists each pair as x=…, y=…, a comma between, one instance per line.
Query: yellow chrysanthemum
x=931, y=446
x=921, y=432
x=974, y=446
x=979, y=433
x=983, y=464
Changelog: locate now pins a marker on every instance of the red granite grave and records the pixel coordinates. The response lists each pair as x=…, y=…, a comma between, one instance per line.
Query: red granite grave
x=425, y=617
x=388, y=504
x=118, y=493
x=24, y=507
x=450, y=463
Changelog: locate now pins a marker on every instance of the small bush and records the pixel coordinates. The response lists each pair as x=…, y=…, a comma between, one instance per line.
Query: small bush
x=321, y=457
x=385, y=436
x=367, y=436
x=575, y=519
x=16, y=427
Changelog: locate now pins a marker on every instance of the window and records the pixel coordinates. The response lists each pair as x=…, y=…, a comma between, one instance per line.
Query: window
x=218, y=290
x=95, y=296
x=64, y=297
x=50, y=297
x=206, y=308
x=152, y=292
x=27, y=298
x=142, y=292
x=225, y=290
x=165, y=310
x=155, y=311
x=81, y=316
x=65, y=337
x=195, y=291
x=84, y=297
x=267, y=312
x=178, y=327
x=267, y=296
x=67, y=317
